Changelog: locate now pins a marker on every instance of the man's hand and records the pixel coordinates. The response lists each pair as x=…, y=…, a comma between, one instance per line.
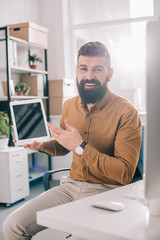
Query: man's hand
x=34, y=146
x=68, y=139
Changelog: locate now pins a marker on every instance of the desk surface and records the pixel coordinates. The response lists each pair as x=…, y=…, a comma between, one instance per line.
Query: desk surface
x=80, y=219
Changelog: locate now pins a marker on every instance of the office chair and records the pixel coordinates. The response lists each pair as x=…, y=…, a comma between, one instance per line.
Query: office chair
x=47, y=176
x=139, y=170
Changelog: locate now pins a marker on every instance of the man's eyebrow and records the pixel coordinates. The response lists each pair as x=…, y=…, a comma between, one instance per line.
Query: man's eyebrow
x=98, y=66
x=83, y=65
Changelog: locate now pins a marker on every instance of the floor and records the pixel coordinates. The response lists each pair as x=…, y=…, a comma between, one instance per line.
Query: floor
x=35, y=189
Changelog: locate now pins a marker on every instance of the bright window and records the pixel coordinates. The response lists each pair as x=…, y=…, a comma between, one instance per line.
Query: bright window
x=120, y=25
x=89, y=11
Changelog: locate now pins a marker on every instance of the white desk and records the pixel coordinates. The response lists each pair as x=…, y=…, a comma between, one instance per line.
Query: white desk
x=82, y=220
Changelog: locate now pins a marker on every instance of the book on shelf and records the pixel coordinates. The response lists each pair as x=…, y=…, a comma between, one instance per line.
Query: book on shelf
x=12, y=53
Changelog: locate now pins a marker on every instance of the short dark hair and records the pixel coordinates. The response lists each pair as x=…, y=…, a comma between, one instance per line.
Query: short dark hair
x=95, y=49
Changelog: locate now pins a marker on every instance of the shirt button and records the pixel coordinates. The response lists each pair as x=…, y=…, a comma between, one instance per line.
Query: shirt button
x=85, y=132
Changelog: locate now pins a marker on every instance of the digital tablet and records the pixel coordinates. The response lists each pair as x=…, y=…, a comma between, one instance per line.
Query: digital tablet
x=29, y=121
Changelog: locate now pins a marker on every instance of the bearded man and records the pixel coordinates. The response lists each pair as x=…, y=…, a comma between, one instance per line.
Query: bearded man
x=102, y=129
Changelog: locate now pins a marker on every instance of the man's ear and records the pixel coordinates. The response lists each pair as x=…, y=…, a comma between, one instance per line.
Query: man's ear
x=110, y=74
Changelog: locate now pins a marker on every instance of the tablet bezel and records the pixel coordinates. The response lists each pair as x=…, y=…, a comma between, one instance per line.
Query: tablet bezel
x=20, y=142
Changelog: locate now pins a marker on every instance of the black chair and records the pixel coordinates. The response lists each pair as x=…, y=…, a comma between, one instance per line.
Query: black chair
x=47, y=176
x=139, y=170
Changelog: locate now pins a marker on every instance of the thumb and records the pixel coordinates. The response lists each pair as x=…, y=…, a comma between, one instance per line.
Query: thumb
x=68, y=124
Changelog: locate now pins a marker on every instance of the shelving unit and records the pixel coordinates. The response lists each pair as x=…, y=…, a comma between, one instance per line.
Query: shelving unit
x=19, y=71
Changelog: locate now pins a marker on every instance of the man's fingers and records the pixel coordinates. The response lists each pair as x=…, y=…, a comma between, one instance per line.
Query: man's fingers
x=68, y=124
x=26, y=145
x=55, y=130
x=34, y=146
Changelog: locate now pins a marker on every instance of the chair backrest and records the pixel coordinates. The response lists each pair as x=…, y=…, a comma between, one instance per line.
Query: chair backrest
x=139, y=170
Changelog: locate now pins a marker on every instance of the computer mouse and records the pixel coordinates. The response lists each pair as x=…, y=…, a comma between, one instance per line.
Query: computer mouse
x=109, y=205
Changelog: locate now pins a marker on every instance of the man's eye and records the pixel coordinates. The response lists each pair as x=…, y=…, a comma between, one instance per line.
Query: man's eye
x=83, y=69
x=98, y=69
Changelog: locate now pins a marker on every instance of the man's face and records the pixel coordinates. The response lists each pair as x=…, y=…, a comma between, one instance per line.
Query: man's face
x=92, y=78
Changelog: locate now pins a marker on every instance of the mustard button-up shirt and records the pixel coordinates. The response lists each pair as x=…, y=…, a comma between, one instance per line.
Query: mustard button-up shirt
x=112, y=130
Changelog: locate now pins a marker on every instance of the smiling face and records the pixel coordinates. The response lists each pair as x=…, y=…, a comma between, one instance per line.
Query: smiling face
x=92, y=78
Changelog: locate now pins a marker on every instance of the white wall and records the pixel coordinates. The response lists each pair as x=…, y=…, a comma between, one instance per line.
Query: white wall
x=51, y=17
x=46, y=13
x=55, y=15
x=16, y=11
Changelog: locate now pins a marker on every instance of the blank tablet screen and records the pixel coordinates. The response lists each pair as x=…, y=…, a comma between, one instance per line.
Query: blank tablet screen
x=29, y=121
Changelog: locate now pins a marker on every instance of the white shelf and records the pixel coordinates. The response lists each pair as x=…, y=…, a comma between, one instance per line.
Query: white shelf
x=35, y=174
x=24, y=43
x=27, y=70
x=22, y=98
x=22, y=70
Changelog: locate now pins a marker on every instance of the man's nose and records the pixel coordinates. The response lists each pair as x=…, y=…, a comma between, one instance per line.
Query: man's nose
x=89, y=75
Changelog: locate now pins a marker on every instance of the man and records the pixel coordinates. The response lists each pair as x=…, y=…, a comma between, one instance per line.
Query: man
x=104, y=132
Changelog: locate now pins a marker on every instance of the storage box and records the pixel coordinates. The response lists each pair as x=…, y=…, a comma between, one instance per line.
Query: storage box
x=4, y=86
x=30, y=32
x=35, y=82
x=56, y=105
x=61, y=88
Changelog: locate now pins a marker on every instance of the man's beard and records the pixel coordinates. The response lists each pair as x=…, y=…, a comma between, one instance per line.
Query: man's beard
x=92, y=95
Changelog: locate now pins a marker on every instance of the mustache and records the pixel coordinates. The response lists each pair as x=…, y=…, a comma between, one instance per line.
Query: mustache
x=84, y=81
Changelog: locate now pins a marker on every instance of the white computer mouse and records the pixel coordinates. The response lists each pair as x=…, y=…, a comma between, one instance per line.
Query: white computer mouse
x=109, y=205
